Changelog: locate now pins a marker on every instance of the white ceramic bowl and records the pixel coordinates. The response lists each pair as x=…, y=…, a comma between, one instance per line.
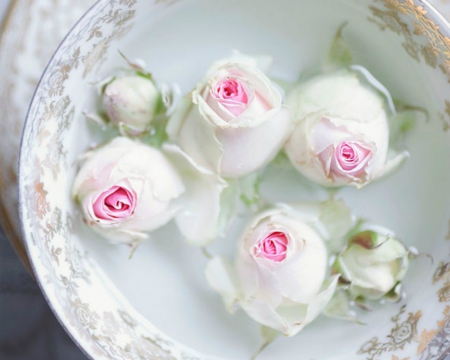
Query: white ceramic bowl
x=158, y=305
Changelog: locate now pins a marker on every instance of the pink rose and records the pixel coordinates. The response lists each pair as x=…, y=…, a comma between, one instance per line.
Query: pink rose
x=234, y=122
x=341, y=136
x=346, y=160
x=127, y=189
x=233, y=94
x=272, y=247
x=280, y=273
x=115, y=204
x=349, y=158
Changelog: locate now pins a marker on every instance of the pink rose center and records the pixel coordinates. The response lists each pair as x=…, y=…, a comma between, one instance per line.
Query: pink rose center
x=232, y=93
x=351, y=156
x=273, y=246
x=117, y=203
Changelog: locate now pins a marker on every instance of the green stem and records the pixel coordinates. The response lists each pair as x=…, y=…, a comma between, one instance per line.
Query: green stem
x=207, y=254
x=261, y=349
x=134, y=245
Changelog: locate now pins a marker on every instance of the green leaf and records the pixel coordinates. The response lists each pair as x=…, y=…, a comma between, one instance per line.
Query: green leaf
x=338, y=219
x=405, y=121
x=339, y=308
x=401, y=124
x=286, y=85
x=282, y=161
x=339, y=55
x=229, y=201
x=249, y=190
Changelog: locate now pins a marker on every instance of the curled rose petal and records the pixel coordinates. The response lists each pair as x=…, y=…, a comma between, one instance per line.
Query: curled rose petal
x=205, y=201
x=272, y=247
x=115, y=204
x=232, y=93
x=348, y=159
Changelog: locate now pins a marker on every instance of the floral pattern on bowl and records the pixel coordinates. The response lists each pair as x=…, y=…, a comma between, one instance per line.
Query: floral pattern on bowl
x=87, y=302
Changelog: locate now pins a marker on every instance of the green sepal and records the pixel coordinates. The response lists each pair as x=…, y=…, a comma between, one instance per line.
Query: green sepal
x=337, y=268
x=99, y=119
x=396, y=293
x=145, y=75
x=339, y=308
x=399, y=125
x=360, y=302
x=157, y=134
x=103, y=85
x=367, y=239
x=140, y=71
x=339, y=55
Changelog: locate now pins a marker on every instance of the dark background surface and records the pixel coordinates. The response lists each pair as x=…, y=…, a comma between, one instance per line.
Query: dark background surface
x=28, y=328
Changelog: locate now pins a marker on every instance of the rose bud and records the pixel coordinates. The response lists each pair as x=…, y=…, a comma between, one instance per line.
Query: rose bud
x=126, y=189
x=234, y=121
x=279, y=278
x=341, y=136
x=131, y=102
x=373, y=264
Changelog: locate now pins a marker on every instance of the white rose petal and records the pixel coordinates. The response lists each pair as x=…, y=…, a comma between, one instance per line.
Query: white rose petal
x=335, y=109
x=146, y=171
x=233, y=144
x=285, y=290
x=164, y=184
x=200, y=205
x=131, y=101
x=331, y=219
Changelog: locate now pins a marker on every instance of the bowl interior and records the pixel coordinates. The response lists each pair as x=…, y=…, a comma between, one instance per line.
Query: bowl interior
x=94, y=284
